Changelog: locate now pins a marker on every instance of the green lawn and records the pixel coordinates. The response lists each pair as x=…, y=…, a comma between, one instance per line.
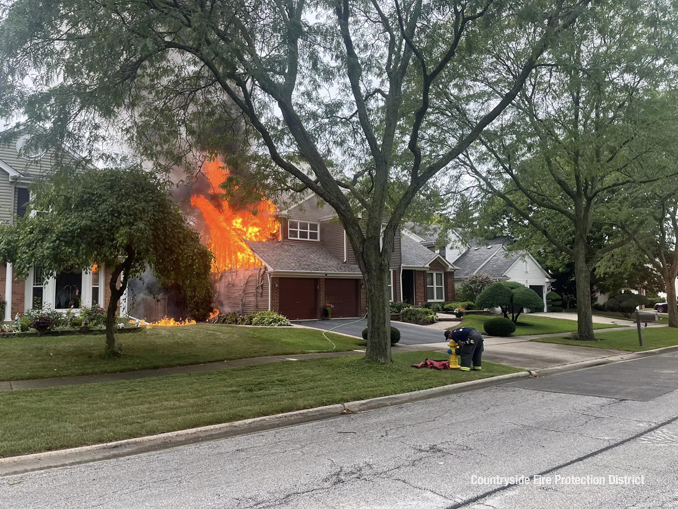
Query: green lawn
x=529, y=325
x=56, y=418
x=626, y=340
x=51, y=356
x=663, y=318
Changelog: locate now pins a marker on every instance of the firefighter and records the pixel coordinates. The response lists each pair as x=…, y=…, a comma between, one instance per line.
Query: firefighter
x=471, y=347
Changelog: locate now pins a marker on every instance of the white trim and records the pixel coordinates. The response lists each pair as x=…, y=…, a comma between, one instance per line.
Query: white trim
x=299, y=230
x=401, y=283
x=268, y=273
x=390, y=286
x=526, y=253
x=435, y=286
x=345, y=246
x=413, y=236
x=8, y=292
x=11, y=171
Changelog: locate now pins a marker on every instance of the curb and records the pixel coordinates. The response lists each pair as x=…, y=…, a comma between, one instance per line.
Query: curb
x=16, y=465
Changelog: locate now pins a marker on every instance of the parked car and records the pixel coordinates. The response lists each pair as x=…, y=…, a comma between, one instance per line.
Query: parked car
x=661, y=307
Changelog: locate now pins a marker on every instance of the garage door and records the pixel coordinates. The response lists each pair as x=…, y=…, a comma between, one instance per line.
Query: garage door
x=299, y=298
x=343, y=294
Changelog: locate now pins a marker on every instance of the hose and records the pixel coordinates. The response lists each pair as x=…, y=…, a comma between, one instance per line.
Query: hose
x=334, y=347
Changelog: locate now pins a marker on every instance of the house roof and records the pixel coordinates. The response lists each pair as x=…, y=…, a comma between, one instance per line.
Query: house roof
x=427, y=233
x=488, y=257
x=300, y=256
x=415, y=254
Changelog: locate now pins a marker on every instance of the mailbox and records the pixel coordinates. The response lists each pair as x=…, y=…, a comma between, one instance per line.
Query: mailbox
x=646, y=316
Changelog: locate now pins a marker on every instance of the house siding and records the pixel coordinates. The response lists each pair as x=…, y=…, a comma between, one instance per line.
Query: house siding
x=535, y=275
x=332, y=236
x=255, y=292
x=6, y=198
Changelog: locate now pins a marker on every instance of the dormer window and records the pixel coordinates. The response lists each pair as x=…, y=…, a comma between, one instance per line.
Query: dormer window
x=300, y=230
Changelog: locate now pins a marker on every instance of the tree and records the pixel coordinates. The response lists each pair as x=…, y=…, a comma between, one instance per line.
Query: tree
x=626, y=303
x=362, y=102
x=584, y=134
x=122, y=218
x=511, y=297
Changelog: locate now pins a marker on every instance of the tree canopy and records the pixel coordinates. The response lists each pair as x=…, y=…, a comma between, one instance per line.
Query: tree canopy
x=511, y=297
x=361, y=101
x=122, y=218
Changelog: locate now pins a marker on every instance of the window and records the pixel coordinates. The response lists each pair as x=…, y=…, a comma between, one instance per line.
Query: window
x=434, y=287
x=22, y=198
x=303, y=231
x=390, y=285
x=526, y=267
x=38, y=288
x=95, y=285
x=68, y=289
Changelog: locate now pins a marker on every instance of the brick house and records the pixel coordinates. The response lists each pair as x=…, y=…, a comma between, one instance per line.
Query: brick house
x=313, y=263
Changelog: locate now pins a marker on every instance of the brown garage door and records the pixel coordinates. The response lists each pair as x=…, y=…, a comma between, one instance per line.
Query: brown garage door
x=299, y=298
x=343, y=294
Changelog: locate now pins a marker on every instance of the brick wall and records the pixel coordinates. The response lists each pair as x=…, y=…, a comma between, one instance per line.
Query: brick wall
x=275, y=295
x=18, y=292
x=420, y=287
x=450, y=293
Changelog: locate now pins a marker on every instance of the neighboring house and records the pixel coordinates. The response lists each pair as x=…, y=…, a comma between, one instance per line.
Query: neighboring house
x=493, y=259
x=489, y=257
x=312, y=263
x=71, y=288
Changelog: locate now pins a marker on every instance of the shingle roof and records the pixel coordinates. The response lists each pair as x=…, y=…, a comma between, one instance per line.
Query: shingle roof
x=488, y=257
x=428, y=233
x=414, y=254
x=300, y=256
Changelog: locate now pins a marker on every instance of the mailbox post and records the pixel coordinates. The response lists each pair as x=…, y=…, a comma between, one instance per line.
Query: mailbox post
x=644, y=317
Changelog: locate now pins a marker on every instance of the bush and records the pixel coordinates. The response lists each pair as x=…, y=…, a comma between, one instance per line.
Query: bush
x=395, y=335
x=229, y=318
x=449, y=307
x=554, y=302
x=474, y=286
x=43, y=323
x=511, y=297
x=436, y=307
x=95, y=315
x=397, y=307
x=76, y=321
x=58, y=319
x=421, y=316
x=626, y=303
x=25, y=323
x=270, y=319
x=499, y=327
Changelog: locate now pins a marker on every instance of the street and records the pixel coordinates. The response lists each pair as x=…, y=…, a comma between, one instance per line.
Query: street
x=600, y=437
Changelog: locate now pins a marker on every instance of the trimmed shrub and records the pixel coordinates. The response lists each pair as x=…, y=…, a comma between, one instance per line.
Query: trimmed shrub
x=626, y=303
x=511, y=297
x=395, y=335
x=421, y=316
x=270, y=319
x=397, y=307
x=554, y=302
x=499, y=327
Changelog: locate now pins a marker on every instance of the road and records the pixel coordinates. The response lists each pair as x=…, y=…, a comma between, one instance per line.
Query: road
x=615, y=420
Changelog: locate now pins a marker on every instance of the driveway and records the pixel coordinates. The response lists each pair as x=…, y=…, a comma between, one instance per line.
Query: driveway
x=409, y=334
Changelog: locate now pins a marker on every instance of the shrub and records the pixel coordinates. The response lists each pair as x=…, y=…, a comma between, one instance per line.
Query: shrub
x=499, y=327
x=43, y=323
x=76, y=321
x=58, y=319
x=449, y=307
x=473, y=286
x=554, y=302
x=269, y=318
x=626, y=303
x=95, y=315
x=232, y=318
x=395, y=335
x=511, y=297
x=421, y=316
x=397, y=307
x=25, y=323
x=436, y=307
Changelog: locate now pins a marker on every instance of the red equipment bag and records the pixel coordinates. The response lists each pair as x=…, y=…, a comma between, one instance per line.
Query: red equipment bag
x=431, y=364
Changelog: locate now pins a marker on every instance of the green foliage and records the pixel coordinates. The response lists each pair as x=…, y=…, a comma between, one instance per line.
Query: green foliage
x=395, y=335
x=25, y=323
x=421, y=316
x=434, y=306
x=473, y=286
x=234, y=318
x=449, y=307
x=270, y=318
x=499, y=327
x=58, y=319
x=554, y=302
x=511, y=297
x=626, y=303
x=43, y=323
x=76, y=321
x=95, y=315
x=122, y=218
x=397, y=307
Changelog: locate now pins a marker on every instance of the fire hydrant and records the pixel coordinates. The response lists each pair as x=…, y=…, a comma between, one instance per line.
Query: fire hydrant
x=454, y=358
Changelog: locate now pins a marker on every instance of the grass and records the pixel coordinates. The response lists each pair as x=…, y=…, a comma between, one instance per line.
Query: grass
x=530, y=325
x=626, y=340
x=56, y=418
x=663, y=318
x=52, y=356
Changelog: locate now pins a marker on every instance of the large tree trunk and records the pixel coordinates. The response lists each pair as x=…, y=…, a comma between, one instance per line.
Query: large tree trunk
x=378, y=317
x=670, y=283
x=121, y=269
x=582, y=275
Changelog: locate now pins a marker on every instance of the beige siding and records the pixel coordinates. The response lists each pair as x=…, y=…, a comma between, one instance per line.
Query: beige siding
x=6, y=198
x=25, y=165
x=255, y=292
x=332, y=235
x=311, y=211
x=396, y=255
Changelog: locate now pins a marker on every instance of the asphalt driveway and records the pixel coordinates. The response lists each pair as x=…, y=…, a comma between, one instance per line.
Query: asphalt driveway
x=409, y=334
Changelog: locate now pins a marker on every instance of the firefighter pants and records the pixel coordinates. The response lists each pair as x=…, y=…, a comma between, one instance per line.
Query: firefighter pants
x=471, y=355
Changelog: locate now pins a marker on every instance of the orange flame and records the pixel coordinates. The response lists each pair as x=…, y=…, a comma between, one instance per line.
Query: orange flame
x=227, y=228
x=214, y=314
x=171, y=322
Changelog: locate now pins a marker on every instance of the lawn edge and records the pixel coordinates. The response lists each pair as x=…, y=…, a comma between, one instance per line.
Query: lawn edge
x=17, y=465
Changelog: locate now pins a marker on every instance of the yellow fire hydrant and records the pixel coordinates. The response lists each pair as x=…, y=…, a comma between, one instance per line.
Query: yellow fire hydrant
x=454, y=358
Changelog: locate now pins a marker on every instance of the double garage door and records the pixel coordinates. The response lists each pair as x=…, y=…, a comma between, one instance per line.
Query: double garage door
x=299, y=297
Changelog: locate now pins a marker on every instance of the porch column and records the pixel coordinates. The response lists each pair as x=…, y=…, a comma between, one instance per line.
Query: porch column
x=9, y=279
x=546, y=289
